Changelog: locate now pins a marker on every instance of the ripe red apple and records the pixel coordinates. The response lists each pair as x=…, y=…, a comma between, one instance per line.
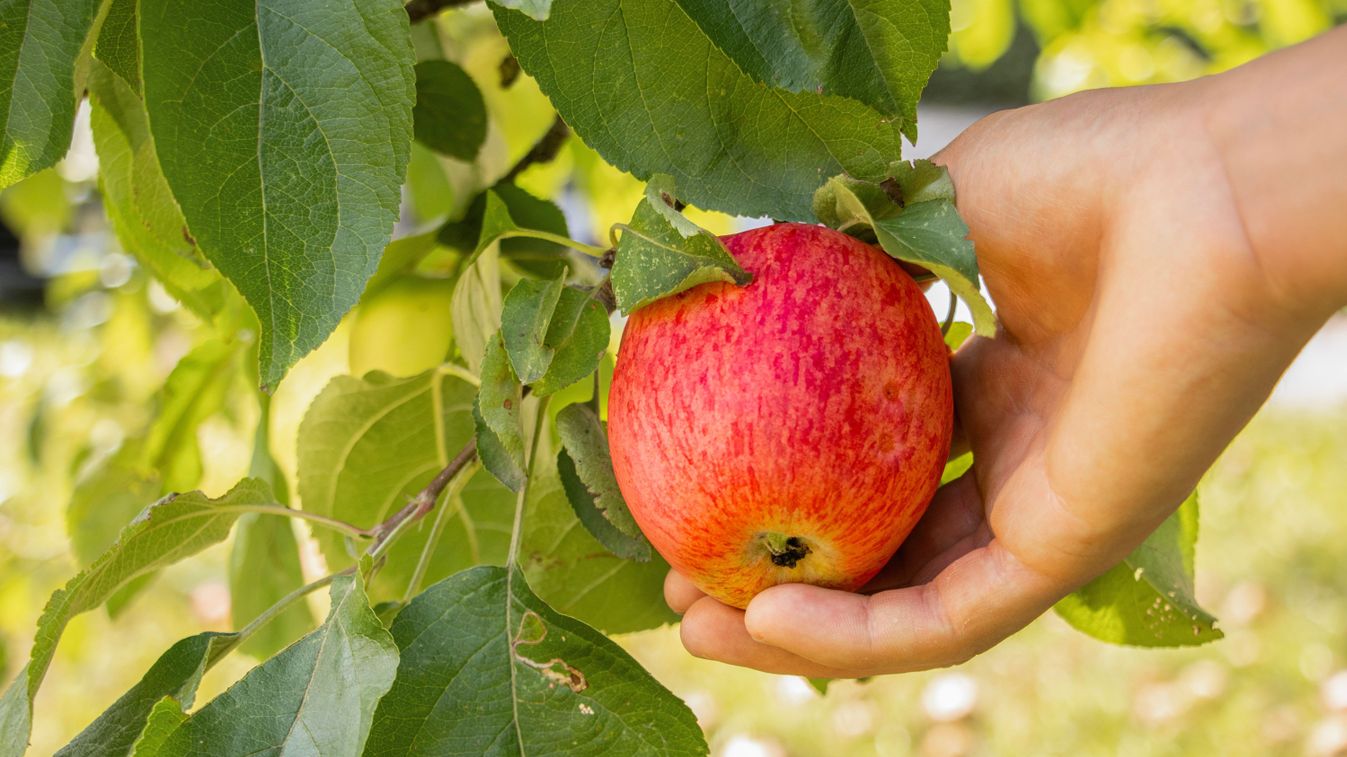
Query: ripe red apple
x=793, y=430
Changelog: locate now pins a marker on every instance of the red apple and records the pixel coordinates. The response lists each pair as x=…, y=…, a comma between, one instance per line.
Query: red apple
x=793, y=430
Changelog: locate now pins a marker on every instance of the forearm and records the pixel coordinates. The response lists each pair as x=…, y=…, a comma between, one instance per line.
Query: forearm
x=1280, y=126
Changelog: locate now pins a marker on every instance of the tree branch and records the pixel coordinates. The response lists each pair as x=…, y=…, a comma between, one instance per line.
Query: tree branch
x=420, y=10
x=424, y=501
x=544, y=151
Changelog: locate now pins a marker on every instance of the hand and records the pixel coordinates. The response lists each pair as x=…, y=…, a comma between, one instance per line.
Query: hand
x=1141, y=329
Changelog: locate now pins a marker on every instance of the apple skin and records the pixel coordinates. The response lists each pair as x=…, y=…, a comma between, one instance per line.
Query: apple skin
x=793, y=430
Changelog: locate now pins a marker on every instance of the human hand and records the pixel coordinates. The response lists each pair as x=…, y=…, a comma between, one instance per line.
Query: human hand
x=1141, y=329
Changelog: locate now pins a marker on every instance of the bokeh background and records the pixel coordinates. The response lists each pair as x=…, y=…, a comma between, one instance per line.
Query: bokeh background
x=86, y=338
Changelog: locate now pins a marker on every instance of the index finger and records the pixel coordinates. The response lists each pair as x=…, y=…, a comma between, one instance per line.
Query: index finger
x=978, y=600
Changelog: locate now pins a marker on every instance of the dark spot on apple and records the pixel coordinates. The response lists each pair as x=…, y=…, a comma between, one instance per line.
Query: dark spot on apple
x=892, y=391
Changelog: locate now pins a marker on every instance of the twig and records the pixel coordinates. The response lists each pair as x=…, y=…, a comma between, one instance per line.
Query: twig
x=949, y=316
x=284, y=603
x=424, y=501
x=544, y=151
x=420, y=10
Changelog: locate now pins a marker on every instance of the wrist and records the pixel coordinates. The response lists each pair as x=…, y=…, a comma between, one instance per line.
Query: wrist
x=1275, y=126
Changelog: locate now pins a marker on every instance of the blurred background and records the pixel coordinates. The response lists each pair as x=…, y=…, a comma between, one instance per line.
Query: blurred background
x=86, y=338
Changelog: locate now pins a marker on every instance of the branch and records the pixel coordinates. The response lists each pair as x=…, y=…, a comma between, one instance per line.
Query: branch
x=424, y=501
x=543, y=152
x=420, y=10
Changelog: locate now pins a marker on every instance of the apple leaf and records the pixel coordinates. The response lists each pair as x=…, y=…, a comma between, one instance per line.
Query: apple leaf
x=173, y=677
x=400, y=257
x=537, y=10
x=586, y=470
x=928, y=233
x=956, y=467
x=450, y=115
x=475, y=306
x=500, y=434
x=958, y=334
x=658, y=257
x=40, y=43
x=579, y=334
x=368, y=444
x=1148, y=600
x=171, y=529
x=664, y=97
x=524, y=318
x=307, y=111
x=880, y=52
x=521, y=210
x=489, y=668
x=140, y=207
x=317, y=697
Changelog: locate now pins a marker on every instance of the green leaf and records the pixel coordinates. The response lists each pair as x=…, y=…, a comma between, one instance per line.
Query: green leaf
x=578, y=335
x=317, y=697
x=306, y=106
x=450, y=115
x=586, y=470
x=40, y=43
x=263, y=568
x=929, y=233
x=175, y=676
x=400, y=256
x=575, y=573
x=1148, y=600
x=665, y=98
x=171, y=529
x=543, y=257
x=655, y=259
x=366, y=445
x=500, y=434
x=164, y=719
x=16, y=717
x=956, y=467
x=141, y=208
x=880, y=52
x=554, y=336
x=488, y=668
x=475, y=307
x=165, y=458
x=922, y=181
x=958, y=334
x=525, y=315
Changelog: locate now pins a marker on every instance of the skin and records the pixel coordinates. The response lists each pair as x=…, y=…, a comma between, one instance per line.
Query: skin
x=1158, y=256
x=711, y=464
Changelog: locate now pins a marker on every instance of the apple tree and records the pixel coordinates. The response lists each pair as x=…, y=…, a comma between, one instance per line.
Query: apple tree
x=415, y=174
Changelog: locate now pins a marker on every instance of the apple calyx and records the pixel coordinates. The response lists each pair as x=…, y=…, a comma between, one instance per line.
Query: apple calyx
x=785, y=551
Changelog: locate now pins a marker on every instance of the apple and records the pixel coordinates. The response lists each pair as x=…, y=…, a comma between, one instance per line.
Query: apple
x=792, y=430
x=404, y=329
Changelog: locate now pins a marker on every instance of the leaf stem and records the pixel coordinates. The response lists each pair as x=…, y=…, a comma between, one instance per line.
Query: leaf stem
x=436, y=528
x=285, y=602
x=949, y=314
x=350, y=529
x=517, y=530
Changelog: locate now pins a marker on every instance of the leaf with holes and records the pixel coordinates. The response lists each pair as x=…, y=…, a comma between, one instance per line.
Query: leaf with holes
x=488, y=668
x=306, y=106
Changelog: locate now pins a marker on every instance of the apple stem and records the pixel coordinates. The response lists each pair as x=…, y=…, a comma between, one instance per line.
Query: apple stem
x=786, y=551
